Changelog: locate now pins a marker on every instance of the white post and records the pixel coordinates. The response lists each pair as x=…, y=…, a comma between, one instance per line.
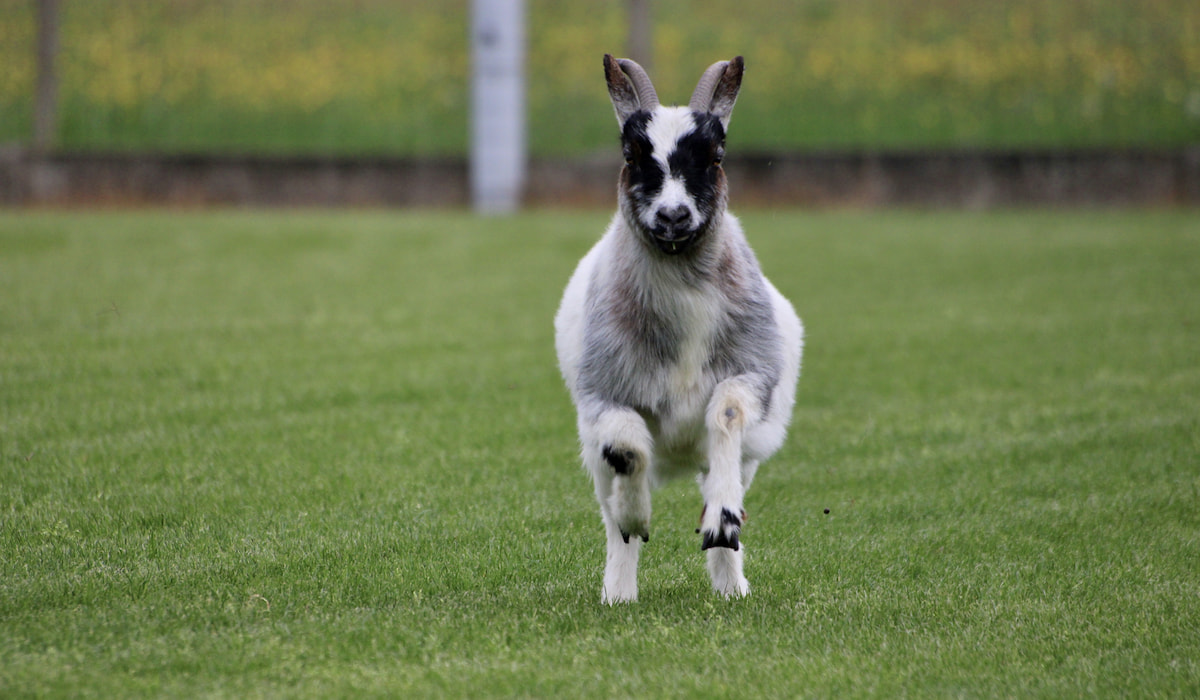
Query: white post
x=497, y=105
x=641, y=34
x=45, y=103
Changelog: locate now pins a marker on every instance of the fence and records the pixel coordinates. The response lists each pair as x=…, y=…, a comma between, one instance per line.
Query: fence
x=973, y=179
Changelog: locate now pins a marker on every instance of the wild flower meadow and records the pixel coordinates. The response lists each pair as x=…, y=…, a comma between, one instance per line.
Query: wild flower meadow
x=387, y=77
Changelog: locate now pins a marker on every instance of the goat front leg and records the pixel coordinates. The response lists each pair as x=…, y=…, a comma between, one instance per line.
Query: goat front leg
x=617, y=447
x=734, y=407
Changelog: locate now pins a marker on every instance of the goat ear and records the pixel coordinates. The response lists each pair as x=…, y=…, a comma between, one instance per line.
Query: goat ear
x=718, y=89
x=620, y=90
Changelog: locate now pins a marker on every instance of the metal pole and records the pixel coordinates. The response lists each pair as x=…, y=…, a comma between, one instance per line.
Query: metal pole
x=498, y=149
x=641, y=34
x=45, y=108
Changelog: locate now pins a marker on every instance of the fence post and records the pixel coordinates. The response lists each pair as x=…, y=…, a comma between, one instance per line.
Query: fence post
x=45, y=109
x=641, y=34
x=497, y=105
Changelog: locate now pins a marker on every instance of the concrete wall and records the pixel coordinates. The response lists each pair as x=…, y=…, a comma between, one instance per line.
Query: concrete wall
x=938, y=179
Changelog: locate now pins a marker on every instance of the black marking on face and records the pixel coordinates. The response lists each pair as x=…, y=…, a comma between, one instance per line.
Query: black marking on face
x=642, y=177
x=695, y=159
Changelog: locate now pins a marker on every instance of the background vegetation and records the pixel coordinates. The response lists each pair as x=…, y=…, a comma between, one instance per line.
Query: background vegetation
x=329, y=454
x=378, y=76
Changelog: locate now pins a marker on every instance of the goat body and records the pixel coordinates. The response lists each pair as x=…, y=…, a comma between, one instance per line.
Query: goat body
x=681, y=358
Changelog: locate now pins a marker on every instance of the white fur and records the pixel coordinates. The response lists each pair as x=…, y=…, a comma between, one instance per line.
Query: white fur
x=692, y=419
x=695, y=435
x=668, y=126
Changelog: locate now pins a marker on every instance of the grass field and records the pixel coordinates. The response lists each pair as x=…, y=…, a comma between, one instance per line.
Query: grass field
x=329, y=454
x=381, y=76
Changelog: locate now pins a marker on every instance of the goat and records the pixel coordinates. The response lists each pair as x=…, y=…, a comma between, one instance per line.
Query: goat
x=679, y=355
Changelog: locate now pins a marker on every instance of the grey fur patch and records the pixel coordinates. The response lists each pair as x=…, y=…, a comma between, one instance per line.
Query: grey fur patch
x=633, y=336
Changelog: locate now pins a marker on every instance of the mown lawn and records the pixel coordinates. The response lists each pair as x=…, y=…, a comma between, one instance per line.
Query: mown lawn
x=329, y=454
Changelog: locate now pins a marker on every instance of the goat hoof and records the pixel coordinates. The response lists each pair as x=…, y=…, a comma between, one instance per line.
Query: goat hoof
x=620, y=460
x=726, y=535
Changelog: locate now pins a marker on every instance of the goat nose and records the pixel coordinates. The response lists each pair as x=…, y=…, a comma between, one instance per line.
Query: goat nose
x=675, y=217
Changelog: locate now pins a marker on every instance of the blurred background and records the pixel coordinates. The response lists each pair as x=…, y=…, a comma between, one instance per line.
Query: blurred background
x=390, y=79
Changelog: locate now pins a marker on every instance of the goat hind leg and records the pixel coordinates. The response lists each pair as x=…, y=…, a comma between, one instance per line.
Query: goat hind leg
x=733, y=407
x=723, y=550
x=725, y=570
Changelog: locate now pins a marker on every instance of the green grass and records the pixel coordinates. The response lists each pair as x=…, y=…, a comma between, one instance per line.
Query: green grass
x=380, y=76
x=329, y=454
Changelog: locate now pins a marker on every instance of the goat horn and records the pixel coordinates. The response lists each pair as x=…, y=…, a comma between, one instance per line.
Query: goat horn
x=702, y=98
x=647, y=97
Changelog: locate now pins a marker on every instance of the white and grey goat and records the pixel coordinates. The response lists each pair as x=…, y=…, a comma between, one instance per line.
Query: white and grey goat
x=680, y=356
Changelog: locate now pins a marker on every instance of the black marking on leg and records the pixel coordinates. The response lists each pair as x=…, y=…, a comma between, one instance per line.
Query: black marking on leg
x=720, y=540
x=621, y=461
x=645, y=536
x=727, y=535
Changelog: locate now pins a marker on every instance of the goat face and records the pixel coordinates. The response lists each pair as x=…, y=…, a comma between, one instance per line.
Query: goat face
x=672, y=187
x=672, y=184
